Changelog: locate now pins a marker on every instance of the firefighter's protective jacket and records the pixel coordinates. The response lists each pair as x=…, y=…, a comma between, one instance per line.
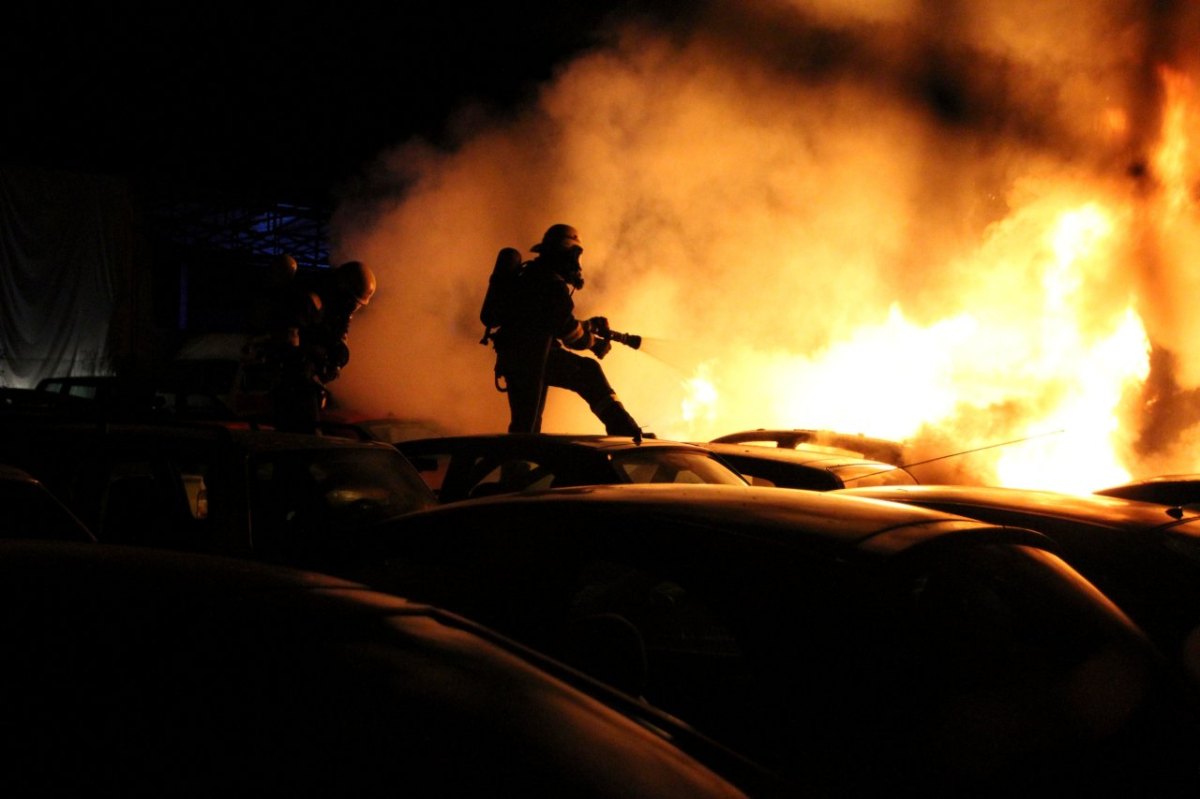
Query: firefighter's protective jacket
x=542, y=314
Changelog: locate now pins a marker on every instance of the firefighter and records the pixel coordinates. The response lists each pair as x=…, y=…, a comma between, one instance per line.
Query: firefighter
x=536, y=346
x=295, y=393
x=312, y=330
x=342, y=292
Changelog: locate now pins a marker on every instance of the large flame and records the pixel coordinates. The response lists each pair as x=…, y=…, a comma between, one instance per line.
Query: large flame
x=973, y=235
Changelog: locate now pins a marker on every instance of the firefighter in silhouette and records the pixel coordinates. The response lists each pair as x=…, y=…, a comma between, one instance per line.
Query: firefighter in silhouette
x=342, y=292
x=310, y=342
x=282, y=307
x=535, y=341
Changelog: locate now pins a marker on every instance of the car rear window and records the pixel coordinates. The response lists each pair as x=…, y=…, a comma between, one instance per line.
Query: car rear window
x=666, y=466
x=301, y=498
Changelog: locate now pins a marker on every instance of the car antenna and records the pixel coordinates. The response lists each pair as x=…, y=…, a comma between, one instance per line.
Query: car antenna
x=989, y=446
x=964, y=452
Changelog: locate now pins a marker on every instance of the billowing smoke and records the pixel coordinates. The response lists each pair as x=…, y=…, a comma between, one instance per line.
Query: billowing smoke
x=932, y=221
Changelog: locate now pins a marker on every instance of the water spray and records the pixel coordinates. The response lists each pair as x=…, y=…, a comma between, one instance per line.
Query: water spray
x=677, y=355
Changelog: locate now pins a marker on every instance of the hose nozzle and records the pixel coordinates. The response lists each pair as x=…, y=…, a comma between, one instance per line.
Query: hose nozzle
x=628, y=339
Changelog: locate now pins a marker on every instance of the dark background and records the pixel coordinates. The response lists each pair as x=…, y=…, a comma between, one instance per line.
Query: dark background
x=278, y=101
x=212, y=138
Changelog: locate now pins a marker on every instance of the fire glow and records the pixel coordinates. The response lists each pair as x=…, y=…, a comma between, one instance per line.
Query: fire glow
x=807, y=251
x=1078, y=382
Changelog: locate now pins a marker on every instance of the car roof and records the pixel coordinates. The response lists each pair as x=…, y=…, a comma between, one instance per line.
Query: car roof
x=826, y=518
x=816, y=457
x=243, y=437
x=301, y=676
x=565, y=441
x=1163, y=478
x=1177, y=489
x=868, y=447
x=1084, y=508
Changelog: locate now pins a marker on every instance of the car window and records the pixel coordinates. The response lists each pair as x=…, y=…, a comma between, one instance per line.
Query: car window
x=663, y=466
x=144, y=502
x=432, y=467
x=786, y=475
x=517, y=474
x=302, y=500
x=197, y=492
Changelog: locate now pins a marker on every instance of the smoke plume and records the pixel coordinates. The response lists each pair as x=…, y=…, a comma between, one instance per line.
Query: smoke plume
x=935, y=222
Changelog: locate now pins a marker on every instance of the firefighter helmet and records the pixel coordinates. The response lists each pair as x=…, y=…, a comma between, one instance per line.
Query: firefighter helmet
x=281, y=269
x=559, y=239
x=357, y=279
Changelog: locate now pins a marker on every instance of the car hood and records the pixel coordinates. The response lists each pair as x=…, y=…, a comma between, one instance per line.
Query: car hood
x=1088, y=508
x=864, y=523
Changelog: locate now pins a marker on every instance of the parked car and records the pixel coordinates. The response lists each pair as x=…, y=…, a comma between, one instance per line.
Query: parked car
x=174, y=393
x=139, y=672
x=867, y=447
x=1172, y=489
x=465, y=467
x=220, y=371
x=814, y=468
x=31, y=401
x=852, y=646
x=31, y=511
x=1144, y=556
x=209, y=487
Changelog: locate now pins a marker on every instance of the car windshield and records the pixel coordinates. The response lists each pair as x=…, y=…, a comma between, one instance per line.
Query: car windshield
x=664, y=466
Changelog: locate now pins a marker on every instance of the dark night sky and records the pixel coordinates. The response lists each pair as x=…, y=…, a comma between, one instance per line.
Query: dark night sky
x=274, y=98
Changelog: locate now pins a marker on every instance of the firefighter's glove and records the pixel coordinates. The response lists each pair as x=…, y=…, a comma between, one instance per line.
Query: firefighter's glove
x=600, y=347
x=598, y=326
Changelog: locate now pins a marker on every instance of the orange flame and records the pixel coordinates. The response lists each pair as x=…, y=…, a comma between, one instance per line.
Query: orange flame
x=700, y=401
x=1070, y=380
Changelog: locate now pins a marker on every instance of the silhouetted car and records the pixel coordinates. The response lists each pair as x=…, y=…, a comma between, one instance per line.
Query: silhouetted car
x=140, y=672
x=388, y=429
x=213, y=488
x=466, y=467
x=856, y=647
x=866, y=447
x=1172, y=489
x=29, y=510
x=166, y=396
x=1145, y=557
x=29, y=401
x=814, y=468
